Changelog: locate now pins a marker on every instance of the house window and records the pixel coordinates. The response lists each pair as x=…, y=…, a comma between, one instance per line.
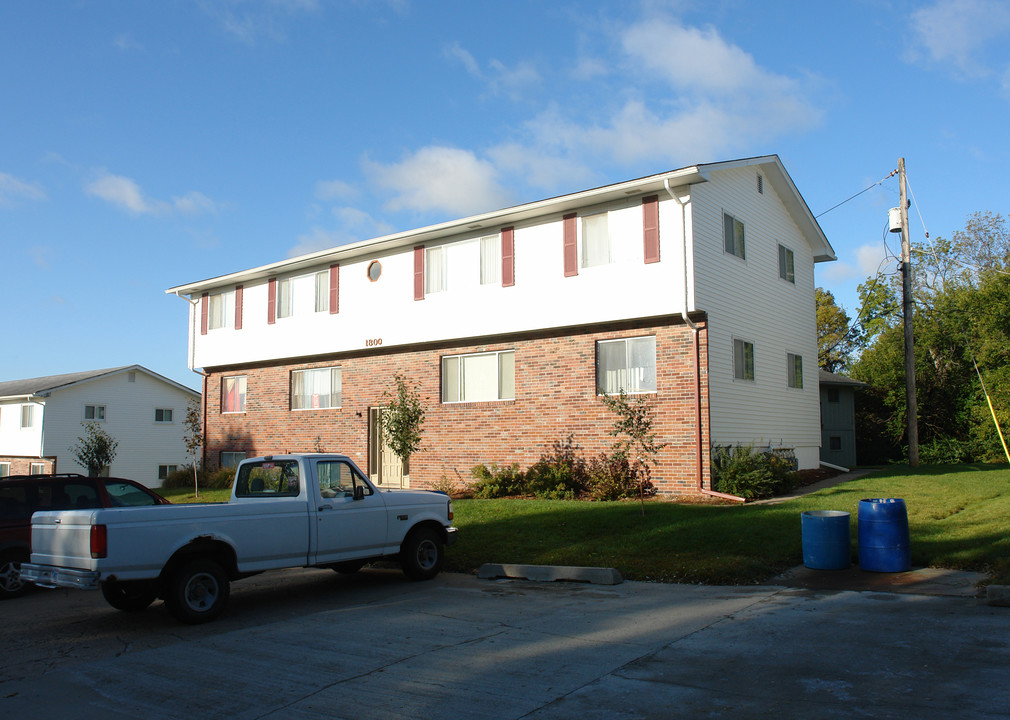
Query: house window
x=835, y=443
x=490, y=260
x=284, y=298
x=595, y=240
x=37, y=469
x=833, y=396
x=374, y=270
x=27, y=416
x=479, y=377
x=163, y=415
x=94, y=412
x=231, y=459
x=628, y=365
x=233, y=394
x=5, y=469
x=221, y=310
x=165, y=470
x=434, y=270
x=786, y=271
x=794, y=366
x=314, y=389
x=733, y=236
x=743, y=360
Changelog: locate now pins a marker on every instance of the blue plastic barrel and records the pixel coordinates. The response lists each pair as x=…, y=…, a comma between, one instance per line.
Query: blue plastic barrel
x=883, y=535
x=826, y=539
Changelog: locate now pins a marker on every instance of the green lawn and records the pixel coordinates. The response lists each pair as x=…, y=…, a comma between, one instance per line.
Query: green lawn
x=959, y=517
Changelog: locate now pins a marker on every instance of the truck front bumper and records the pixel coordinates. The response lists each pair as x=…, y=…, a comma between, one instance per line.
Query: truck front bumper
x=451, y=536
x=49, y=576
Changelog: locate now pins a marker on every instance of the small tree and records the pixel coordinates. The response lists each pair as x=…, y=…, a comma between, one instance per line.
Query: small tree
x=636, y=439
x=402, y=419
x=193, y=438
x=95, y=449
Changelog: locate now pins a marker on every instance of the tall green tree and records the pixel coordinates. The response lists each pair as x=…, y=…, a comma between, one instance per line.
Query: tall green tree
x=95, y=449
x=838, y=339
x=403, y=419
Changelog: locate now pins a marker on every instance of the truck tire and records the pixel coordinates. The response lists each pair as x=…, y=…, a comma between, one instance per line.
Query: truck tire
x=128, y=596
x=421, y=554
x=197, y=592
x=11, y=584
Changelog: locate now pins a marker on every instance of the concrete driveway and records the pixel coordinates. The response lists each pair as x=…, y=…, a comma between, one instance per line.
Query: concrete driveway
x=312, y=644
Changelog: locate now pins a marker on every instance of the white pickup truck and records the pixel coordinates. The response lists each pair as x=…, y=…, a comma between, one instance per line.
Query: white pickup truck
x=300, y=510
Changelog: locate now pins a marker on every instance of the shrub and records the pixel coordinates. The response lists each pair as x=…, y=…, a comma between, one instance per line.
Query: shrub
x=212, y=480
x=945, y=451
x=614, y=477
x=753, y=474
x=560, y=473
x=181, y=478
x=218, y=479
x=496, y=482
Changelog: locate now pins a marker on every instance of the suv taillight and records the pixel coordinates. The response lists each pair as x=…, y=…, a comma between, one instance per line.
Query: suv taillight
x=99, y=541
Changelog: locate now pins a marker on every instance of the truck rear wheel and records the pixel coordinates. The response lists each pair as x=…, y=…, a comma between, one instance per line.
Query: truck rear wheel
x=128, y=596
x=11, y=582
x=197, y=592
x=421, y=554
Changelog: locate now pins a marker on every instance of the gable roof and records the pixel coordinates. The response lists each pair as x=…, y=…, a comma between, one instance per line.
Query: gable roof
x=826, y=378
x=771, y=165
x=43, y=386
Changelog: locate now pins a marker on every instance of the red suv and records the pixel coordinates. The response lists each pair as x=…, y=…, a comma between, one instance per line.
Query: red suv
x=21, y=495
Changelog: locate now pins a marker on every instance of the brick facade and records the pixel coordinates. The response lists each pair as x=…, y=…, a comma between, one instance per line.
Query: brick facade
x=555, y=389
x=23, y=465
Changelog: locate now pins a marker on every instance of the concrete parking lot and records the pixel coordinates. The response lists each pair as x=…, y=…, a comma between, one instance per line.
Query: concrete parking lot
x=312, y=644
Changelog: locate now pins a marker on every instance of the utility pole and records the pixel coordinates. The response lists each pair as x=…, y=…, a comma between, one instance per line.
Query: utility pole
x=911, y=406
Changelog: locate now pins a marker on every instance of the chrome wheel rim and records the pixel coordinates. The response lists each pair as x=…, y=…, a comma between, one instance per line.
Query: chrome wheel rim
x=201, y=592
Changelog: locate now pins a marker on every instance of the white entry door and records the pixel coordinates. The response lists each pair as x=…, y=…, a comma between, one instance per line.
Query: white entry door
x=384, y=466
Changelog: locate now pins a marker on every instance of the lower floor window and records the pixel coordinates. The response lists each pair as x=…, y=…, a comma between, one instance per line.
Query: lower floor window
x=5, y=469
x=318, y=388
x=37, y=468
x=231, y=459
x=479, y=377
x=627, y=365
x=743, y=360
x=794, y=366
x=233, y=394
x=165, y=470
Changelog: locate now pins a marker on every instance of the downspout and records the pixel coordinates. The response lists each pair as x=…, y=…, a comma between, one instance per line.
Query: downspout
x=190, y=362
x=695, y=332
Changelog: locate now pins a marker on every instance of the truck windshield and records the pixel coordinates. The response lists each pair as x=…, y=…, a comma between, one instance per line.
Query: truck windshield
x=276, y=478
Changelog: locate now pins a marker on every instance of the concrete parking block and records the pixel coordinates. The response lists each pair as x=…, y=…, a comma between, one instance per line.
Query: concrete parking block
x=551, y=573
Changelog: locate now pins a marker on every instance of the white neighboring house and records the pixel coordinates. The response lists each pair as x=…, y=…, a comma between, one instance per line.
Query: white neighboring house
x=41, y=419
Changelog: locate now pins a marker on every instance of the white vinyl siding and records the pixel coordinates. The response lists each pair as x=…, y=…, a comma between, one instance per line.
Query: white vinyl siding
x=627, y=365
x=316, y=389
x=479, y=377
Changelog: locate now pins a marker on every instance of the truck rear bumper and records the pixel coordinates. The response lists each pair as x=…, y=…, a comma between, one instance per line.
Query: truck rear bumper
x=49, y=576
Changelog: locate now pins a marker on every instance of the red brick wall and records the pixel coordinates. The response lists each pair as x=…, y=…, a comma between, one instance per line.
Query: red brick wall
x=23, y=465
x=555, y=387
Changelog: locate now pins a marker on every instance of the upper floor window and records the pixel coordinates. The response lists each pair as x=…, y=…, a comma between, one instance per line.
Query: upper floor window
x=833, y=395
x=743, y=360
x=221, y=310
x=303, y=294
x=94, y=412
x=233, y=394
x=40, y=468
x=434, y=270
x=479, y=377
x=786, y=268
x=595, y=240
x=27, y=416
x=627, y=365
x=794, y=368
x=163, y=415
x=733, y=236
x=317, y=388
x=490, y=260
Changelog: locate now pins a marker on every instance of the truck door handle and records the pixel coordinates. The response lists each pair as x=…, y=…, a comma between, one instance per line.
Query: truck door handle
x=324, y=507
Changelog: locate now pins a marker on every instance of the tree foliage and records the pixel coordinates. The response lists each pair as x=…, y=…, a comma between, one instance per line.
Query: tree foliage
x=193, y=438
x=837, y=337
x=95, y=449
x=636, y=440
x=403, y=418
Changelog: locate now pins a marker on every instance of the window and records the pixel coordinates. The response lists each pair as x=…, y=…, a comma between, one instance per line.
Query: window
x=743, y=360
x=490, y=260
x=94, y=412
x=479, y=377
x=794, y=366
x=835, y=443
x=233, y=394
x=434, y=270
x=322, y=291
x=126, y=494
x=37, y=469
x=312, y=389
x=284, y=298
x=165, y=470
x=628, y=365
x=221, y=312
x=231, y=459
x=163, y=415
x=833, y=396
x=786, y=271
x=5, y=469
x=339, y=480
x=268, y=479
x=733, y=235
x=595, y=240
x=27, y=416
x=374, y=270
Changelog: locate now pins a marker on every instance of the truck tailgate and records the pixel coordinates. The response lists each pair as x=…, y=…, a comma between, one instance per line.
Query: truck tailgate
x=63, y=539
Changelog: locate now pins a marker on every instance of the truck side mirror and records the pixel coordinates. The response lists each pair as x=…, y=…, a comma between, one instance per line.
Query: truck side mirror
x=359, y=492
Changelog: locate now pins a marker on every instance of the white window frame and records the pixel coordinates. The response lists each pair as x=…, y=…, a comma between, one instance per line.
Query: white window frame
x=322, y=291
x=794, y=370
x=285, y=301
x=490, y=260
x=97, y=412
x=740, y=368
x=735, y=242
x=455, y=384
x=221, y=310
x=27, y=417
x=435, y=269
x=163, y=421
x=168, y=469
x=37, y=468
x=600, y=253
x=640, y=379
x=335, y=379
x=787, y=264
x=243, y=394
x=231, y=458
x=5, y=469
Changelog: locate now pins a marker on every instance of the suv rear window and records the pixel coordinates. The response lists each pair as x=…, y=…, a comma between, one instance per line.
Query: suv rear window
x=122, y=494
x=66, y=496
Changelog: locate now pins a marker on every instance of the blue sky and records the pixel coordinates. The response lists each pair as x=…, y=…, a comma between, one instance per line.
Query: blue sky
x=146, y=145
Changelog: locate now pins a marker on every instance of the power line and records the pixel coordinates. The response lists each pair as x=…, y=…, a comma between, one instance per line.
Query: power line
x=879, y=182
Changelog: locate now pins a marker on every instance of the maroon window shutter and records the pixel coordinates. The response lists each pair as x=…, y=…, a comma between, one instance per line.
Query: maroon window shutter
x=419, y=272
x=650, y=227
x=571, y=246
x=334, y=289
x=204, y=312
x=271, y=301
x=238, y=307
x=508, y=259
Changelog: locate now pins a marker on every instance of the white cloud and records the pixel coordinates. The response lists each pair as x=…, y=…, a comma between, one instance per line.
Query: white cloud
x=194, y=203
x=14, y=189
x=335, y=190
x=456, y=52
x=126, y=43
x=125, y=193
x=956, y=32
x=440, y=179
x=352, y=225
x=500, y=78
x=249, y=20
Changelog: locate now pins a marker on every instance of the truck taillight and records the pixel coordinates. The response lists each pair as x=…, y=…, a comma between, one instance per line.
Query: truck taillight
x=450, y=509
x=99, y=541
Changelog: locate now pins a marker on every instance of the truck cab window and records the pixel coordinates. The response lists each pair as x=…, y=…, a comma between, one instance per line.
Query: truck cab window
x=268, y=479
x=338, y=479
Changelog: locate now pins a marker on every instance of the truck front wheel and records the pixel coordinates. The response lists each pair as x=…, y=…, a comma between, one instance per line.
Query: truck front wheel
x=421, y=554
x=128, y=596
x=197, y=592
